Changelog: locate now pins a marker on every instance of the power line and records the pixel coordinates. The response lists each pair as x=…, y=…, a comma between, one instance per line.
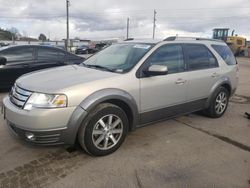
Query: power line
x=206, y=17
x=143, y=11
x=135, y=12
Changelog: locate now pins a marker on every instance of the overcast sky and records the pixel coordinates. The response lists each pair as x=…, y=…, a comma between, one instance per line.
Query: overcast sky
x=107, y=18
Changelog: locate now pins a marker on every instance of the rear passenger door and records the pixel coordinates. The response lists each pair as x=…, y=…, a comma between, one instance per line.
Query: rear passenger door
x=47, y=57
x=202, y=71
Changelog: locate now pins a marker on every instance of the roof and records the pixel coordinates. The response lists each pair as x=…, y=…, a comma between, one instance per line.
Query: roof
x=31, y=45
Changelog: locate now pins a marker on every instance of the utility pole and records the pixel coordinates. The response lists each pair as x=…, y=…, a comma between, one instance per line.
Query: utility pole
x=154, y=25
x=67, y=23
x=127, y=28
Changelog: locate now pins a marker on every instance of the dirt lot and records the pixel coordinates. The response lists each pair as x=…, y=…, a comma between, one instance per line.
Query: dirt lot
x=190, y=151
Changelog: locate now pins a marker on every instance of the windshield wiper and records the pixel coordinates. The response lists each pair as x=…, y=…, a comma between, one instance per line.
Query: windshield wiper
x=100, y=67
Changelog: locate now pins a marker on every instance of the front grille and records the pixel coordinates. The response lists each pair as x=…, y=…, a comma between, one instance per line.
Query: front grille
x=19, y=96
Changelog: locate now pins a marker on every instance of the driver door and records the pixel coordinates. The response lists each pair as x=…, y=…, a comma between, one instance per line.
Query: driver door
x=162, y=96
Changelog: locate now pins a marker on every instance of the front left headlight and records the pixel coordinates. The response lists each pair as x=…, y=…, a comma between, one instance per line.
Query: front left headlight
x=41, y=100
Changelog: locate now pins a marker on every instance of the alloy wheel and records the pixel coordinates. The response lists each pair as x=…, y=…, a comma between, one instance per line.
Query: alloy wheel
x=107, y=132
x=221, y=102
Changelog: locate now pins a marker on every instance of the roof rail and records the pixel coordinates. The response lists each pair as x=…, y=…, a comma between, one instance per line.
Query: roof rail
x=174, y=38
x=216, y=40
x=170, y=39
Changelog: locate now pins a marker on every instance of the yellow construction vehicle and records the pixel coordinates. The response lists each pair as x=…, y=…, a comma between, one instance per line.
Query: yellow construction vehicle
x=237, y=44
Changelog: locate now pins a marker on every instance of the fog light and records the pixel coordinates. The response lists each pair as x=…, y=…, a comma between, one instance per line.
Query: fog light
x=30, y=136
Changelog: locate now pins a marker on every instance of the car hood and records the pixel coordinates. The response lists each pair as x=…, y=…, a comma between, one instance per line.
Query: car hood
x=56, y=79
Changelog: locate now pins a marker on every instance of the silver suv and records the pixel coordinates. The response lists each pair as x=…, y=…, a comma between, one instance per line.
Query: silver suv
x=119, y=89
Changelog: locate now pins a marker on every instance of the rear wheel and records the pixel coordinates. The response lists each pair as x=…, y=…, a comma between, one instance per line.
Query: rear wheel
x=218, y=104
x=105, y=130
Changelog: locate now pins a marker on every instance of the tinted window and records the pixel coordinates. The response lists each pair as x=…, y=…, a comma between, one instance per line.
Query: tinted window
x=49, y=54
x=169, y=55
x=18, y=54
x=199, y=57
x=225, y=53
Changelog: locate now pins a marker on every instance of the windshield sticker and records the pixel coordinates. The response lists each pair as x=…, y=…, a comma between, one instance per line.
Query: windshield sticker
x=142, y=46
x=119, y=70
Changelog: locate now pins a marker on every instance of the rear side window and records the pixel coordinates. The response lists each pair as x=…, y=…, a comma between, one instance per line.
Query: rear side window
x=225, y=53
x=18, y=54
x=50, y=54
x=199, y=57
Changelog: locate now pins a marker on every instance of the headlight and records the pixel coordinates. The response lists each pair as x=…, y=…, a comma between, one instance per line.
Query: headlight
x=40, y=100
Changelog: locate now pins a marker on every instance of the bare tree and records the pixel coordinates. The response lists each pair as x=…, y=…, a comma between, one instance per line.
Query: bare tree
x=42, y=37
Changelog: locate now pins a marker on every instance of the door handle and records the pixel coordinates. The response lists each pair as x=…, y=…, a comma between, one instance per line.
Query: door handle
x=180, y=81
x=214, y=75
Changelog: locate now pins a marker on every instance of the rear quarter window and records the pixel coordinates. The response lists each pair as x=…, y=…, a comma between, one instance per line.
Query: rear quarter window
x=225, y=53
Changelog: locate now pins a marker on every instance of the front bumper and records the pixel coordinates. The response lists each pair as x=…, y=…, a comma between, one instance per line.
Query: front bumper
x=45, y=137
x=48, y=126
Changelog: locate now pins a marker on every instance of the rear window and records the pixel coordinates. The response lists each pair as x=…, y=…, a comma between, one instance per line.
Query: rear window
x=225, y=53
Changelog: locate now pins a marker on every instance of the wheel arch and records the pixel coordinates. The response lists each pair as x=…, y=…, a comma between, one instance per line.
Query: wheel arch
x=224, y=82
x=126, y=108
x=117, y=97
x=228, y=87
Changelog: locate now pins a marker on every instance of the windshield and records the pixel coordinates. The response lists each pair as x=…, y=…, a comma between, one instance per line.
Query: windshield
x=119, y=57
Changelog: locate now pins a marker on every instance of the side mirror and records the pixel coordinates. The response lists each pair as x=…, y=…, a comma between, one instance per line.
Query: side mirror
x=156, y=70
x=3, y=61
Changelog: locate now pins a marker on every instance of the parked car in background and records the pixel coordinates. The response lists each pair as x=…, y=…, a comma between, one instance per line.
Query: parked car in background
x=84, y=49
x=18, y=60
x=101, y=46
x=2, y=44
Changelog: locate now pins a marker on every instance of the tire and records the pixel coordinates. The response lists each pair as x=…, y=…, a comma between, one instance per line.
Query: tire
x=218, y=104
x=104, y=130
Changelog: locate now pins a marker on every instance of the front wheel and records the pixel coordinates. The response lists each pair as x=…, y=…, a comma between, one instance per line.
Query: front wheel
x=105, y=130
x=219, y=103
